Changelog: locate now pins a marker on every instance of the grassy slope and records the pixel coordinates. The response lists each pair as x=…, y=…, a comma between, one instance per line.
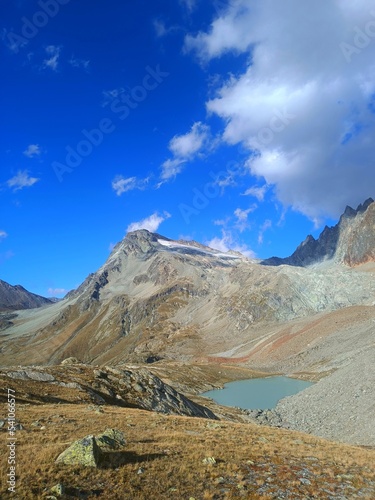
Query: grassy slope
x=252, y=461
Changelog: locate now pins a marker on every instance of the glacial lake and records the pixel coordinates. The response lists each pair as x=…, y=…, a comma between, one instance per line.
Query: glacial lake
x=257, y=393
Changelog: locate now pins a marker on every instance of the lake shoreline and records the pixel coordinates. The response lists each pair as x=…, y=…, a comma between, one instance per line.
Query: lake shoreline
x=261, y=393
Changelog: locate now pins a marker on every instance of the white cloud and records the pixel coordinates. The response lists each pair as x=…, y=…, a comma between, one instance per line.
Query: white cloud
x=306, y=111
x=170, y=168
x=12, y=41
x=9, y=254
x=242, y=216
x=3, y=235
x=122, y=185
x=267, y=224
x=21, y=180
x=32, y=150
x=55, y=292
x=227, y=242
x=217, y=243
x=222, y=222
x=111, y=95
x=185, y=147
x=53, y=61
x=162, y=30
x=257, y=192
x=159, y=27
x=79, y=63
x=150, y=223
x=189, y=4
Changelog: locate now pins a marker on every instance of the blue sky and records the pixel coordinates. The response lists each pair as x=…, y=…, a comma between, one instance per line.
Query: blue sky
x=240, y=124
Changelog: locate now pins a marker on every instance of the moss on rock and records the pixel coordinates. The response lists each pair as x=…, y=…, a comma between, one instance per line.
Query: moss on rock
x=82, y=452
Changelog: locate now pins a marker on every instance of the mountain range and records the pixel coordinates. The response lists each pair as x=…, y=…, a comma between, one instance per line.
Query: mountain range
x=159, y=298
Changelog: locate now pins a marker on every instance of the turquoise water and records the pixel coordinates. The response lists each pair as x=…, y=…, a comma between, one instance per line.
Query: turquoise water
x=257, y=393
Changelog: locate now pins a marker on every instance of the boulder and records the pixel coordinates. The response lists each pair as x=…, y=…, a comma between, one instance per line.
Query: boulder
x=110, y=439
x=82, y=452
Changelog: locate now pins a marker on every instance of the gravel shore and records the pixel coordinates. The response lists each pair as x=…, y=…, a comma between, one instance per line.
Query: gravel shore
x=340, y=407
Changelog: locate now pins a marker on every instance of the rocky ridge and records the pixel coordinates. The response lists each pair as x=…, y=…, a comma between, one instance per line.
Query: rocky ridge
x=132, y=387
x=351, y=241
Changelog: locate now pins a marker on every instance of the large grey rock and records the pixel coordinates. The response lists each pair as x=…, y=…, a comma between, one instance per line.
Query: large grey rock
x=141, y=388
x=84, y=452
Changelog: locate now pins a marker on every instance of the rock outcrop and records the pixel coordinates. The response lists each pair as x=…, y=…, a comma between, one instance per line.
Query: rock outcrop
x=132, y=387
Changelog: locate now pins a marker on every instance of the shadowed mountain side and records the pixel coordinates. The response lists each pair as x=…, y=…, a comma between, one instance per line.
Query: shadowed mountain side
x=351, y=241
x=16, y=297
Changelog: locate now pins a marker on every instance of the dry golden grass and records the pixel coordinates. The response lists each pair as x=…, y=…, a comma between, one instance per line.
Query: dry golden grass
x=251, y=461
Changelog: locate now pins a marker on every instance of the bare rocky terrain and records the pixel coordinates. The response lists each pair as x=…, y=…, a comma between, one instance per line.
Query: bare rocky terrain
x=131, y=387
x=340, y=407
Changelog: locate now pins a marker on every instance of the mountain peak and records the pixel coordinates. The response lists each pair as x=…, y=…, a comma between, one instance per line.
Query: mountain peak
x=364, y=206
x=140, y=241
x=349, y=212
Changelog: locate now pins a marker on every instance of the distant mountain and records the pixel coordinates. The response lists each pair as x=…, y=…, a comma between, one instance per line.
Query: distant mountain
x=16, y=297
x=351, y=241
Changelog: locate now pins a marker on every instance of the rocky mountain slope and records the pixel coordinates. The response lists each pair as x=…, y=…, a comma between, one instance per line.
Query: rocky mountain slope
x=351, y=241
x=16, y=297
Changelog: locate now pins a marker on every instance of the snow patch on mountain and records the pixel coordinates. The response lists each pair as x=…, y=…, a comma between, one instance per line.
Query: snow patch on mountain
x=174, y=245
